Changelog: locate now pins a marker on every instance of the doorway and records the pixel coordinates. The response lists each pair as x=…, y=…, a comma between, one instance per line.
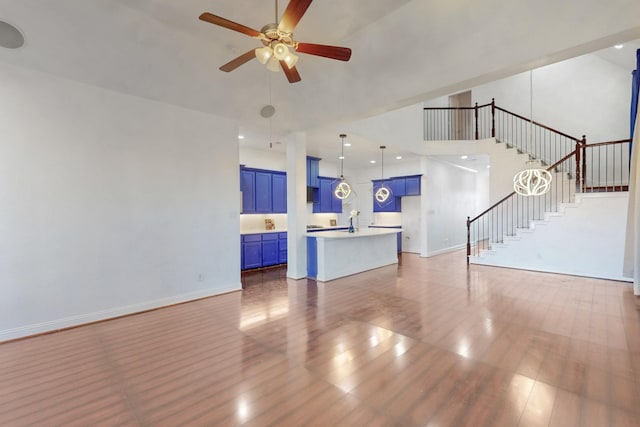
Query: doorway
x=461, y=120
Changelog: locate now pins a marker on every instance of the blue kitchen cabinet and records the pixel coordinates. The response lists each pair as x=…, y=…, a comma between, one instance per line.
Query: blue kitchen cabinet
x=279, y=192
x=406, y=185
x=336, y=204
x=263, y=189
x=412, y=185
x=270, y=251
x=251, y=251
x=313, y=170
x=282, y=246
x=399, y=186
x=263, y=250
x=248, y=186
x=325, y=201
x=392, y=204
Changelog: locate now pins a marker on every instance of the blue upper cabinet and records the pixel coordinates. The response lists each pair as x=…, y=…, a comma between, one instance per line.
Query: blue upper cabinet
x=263, y=191
x=392, y=204
x=313, y=170
x=264, y=202
x=336, y=204
x=325, y=200
x=412, y=185
x=279, y=192
x=248, y=188
x=399, y=186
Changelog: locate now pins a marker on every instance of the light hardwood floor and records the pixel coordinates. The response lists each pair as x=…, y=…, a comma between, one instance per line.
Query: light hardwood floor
x=428, y=342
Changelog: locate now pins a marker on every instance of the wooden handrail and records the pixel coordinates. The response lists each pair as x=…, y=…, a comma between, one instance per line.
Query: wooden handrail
x=598, y=144
x=539, y=124
x=456, y=108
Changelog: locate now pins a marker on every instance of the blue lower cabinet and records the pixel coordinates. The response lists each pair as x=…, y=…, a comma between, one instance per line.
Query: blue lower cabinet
x=312, y=257
x=263, y=250
x=251, y=251
x=282, y=245
x=270, y=251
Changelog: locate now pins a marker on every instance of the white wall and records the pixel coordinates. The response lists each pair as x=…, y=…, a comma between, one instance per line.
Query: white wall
x=111, y=204
x=585, y=95
x=451, y=196
x=263, y=159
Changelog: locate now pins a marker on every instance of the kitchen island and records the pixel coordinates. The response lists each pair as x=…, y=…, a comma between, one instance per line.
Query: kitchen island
x=335, y=254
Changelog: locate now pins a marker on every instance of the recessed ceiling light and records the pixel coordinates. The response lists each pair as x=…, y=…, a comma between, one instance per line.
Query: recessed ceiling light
x=372, y=161
x=619, y=46
x=488, y=166
x=341, y=157
x=347, y=144
x=464, y=157
x=398, y=157
x=240, y=136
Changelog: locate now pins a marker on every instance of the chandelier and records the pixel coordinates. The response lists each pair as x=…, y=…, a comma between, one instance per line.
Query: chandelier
x=383, y=193
x=343, y=189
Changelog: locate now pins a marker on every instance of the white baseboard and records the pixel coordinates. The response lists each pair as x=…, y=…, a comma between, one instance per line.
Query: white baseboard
x=445, y=250
x=67, y=322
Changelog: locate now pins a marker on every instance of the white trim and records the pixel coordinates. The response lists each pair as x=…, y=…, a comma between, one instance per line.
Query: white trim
x=446, y=250
x=56, y=325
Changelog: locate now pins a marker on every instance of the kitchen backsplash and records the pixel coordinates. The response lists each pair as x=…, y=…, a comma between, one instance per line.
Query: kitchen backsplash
x=255, y=223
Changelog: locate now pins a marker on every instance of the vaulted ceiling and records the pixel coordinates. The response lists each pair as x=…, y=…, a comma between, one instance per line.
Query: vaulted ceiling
x=404, y=51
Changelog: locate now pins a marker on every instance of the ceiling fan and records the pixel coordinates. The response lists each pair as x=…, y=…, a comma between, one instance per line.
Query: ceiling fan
x=278, y=42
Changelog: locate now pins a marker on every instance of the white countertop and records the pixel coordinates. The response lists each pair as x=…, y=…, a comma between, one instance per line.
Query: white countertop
x=243, y=232
x=344, y=234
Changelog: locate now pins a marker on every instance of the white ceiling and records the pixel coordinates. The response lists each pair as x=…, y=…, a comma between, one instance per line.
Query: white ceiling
x=404, y=52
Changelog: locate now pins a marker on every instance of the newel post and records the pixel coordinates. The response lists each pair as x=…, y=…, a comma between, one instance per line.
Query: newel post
x=468, y=239
x=476, y=120
x=578, y=174
x=493, y=118
x=584, y=161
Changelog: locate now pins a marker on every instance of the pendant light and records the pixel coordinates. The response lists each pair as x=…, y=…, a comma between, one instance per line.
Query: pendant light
x=534, y=181
x=383, y=193
x=343, y=189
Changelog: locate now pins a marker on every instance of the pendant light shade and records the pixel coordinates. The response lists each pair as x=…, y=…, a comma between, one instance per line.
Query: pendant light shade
x=263, y=54
x=383, y=193
x=343, y=189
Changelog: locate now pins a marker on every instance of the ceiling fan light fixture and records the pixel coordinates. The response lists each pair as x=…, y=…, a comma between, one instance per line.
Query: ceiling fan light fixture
x=291, y=60
x=273, y=64
x=263, y=54
x=280, y=50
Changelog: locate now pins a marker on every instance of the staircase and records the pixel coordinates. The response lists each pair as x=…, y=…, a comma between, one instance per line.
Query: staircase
x=501, y=232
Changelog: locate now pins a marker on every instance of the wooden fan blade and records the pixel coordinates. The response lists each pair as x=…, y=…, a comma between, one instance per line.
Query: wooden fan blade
x=235, y=63
x=292, y=74
x=333, y=52
x=217, y=20
x=292, y=15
